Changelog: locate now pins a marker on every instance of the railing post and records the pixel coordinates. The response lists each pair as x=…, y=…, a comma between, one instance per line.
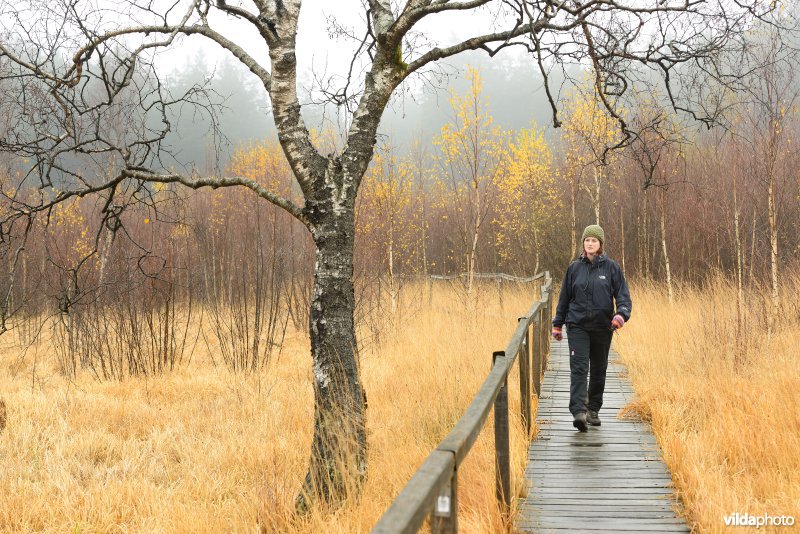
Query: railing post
x=549, y=318
x=445, y=511
x=525, y=379
x=536, y=367
x=545, y=335
x=501, y=444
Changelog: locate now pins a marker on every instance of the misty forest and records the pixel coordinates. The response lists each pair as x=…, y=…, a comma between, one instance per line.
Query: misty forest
x=252, y=250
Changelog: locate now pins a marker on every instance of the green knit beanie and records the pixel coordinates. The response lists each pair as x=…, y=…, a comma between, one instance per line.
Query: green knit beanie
x=594, y=230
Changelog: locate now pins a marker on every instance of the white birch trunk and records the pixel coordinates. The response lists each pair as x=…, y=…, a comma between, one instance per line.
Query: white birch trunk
x=664, y=245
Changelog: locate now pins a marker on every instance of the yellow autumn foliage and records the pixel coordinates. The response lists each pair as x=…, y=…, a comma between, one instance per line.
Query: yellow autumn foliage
x=387, y=216
x=68, y=232
x=473, y=154
x=527, y=196
x=264, y=162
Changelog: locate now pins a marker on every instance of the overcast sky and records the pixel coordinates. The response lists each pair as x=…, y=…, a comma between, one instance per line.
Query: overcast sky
x=512, y=86
x=315, y=47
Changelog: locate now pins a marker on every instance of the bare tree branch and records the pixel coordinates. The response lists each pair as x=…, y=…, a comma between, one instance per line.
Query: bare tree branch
x=217, y=182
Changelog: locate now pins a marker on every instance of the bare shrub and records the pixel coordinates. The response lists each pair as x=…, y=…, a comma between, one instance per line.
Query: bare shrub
x=248, y=291
x=139, y=324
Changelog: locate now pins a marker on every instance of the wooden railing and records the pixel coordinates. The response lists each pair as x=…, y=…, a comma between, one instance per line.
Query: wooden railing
x=433, y=490
x=499, y=277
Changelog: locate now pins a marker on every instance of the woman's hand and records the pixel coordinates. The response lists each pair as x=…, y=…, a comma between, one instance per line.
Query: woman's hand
x=557, y=335
x=617, y=322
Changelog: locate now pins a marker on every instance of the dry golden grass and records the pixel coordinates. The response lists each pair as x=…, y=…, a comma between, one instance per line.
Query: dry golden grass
x=204, y=450
x=729, y=427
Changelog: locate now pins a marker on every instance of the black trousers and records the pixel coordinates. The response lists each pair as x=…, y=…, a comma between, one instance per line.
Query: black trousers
x=588, y=356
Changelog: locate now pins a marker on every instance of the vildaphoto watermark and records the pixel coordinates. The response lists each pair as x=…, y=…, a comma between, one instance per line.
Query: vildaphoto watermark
x=758, y=521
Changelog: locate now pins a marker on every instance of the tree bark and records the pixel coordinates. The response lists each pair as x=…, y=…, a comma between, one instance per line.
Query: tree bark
x=773, y=252
x=663, y=221
x=645, y=235
x=393, y=286
x=598, y=178
x=573, y=200
x=739, y=273
x=473, y=248
x=339, y=447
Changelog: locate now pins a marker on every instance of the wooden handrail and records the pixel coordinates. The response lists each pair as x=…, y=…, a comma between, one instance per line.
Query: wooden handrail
x=490, y=276
x=433, y=490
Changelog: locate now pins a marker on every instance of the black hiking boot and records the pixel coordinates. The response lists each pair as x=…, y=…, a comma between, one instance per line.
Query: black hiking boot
x=593, y=419
x=580, y=421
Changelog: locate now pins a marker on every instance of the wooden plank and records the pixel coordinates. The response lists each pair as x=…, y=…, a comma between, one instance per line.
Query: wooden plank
x=600, y=449
x=544, y=477
x=591, y=456
x=606, y=521
x=569, y=430
x=582, y=512
x=596, y=439
x=556, y=483
x=577, y=476
x=555, y=442
x=615, y=395
x=545, y=491
x=631, y=469
x=627, y=462
x=602, y=511
x=637, y=524
x=586, y=502
x=560, y=386
x=632, y=526
x=571, y=530
x=610, y=429
x=574, y=444
x=604, y=431
x=647, y=461
x=592, y=461
x=667, y=514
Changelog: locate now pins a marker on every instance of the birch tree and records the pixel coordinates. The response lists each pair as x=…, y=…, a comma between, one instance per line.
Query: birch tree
x=70, y=66
x=773, y=97
x=528, y=199
x=590, y=131
x=387, y=219
x=472, y=160
x=657, y=151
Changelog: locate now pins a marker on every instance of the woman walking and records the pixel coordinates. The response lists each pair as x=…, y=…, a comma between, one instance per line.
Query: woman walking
x=593, y=286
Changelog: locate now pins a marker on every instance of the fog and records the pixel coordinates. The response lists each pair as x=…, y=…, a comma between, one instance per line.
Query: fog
x=512, y=87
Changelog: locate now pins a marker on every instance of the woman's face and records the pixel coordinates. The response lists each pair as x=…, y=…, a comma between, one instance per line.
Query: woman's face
x=591, y=245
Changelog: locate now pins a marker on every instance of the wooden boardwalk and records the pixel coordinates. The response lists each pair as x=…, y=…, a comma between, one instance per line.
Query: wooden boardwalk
x=609, y=479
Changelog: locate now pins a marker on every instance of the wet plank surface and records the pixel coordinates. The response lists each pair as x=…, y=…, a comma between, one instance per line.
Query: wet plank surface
x=609, y=479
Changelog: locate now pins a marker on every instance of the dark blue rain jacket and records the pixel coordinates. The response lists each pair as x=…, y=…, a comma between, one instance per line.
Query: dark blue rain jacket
x=590, y=292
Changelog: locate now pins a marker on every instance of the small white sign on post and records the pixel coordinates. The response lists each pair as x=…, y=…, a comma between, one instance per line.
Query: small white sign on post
x=443, y=506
